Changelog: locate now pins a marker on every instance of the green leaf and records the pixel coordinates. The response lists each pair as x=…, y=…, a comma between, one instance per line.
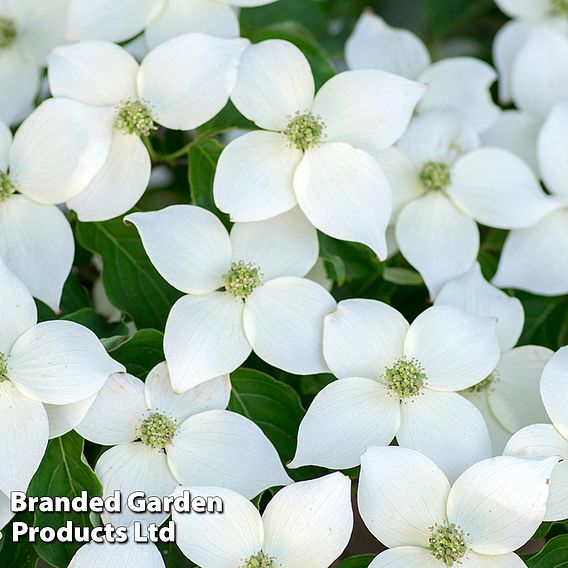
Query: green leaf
x=141, y=352
x=89, y=318
x=274, y=406
x=133, y=285
x=62, y=472
x=17, y=554
x=545, y=320
x=73, y=298
x=553, y=555
x=402, y=276
x=361, y=561
x=228, y=119
x=203, y=158
x=448, y=17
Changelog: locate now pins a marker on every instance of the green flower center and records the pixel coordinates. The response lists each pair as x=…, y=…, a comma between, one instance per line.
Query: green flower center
x=3, y=368
x=305, y=130
x=242, y=279
x=259, y=560
x=435, y=176
x=485, y=385
x=135, y=117
x=7, y=32
x=6, y=187
x=157, y=430
x=447, y=543
x=405, y=378
x=559, y=7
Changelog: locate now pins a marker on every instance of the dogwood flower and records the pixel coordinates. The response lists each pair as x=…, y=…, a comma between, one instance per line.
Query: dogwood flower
x=160, y=20
x=179, y=85
x=305, y=524
x=28, y=31
x=533, y=258
x=313, y=150
x=162, y=439
x=460, y=84
x=543, y=440
x=491, y=510
x=243, y=291
x=54, y=362
x=443, y=183
x=401, y=380
x=509, y=398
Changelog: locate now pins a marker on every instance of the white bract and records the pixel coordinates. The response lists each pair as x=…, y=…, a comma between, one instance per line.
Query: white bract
x=54, y=362
x=160, y=20
x=306, y=524
x=543, y=440
x=460, y=84
x=314, y=149
x=444, y=184
x=400, y=380
x=162, y=439
x=28, y=31
x=243, y=291
x=180, y=85
x=509, y=398
x=492, y=509
x=534, y=258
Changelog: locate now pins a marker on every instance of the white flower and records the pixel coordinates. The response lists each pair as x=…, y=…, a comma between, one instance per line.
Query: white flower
x=534, y=258
x=160, y=20
x=460, y=84
x=162, y=439
x=400, y=380
x=492, y=509
x=443, y=183
x=509, y=398
x=54, y=362
x=305, y=524
x=28, y=31
x=180, y=85
x=543, y=440
x=314, y=149
x=266, y=304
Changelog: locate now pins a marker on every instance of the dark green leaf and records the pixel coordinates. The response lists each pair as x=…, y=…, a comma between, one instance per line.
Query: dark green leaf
x=553, y=555
x=361, y=561
x=17, y=554
x=73, y=298
x=402, y=276
x=89, y=318
x=141, y=352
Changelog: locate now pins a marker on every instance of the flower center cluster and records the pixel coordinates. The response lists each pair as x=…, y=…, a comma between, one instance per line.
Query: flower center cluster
x=435, y=176
x=304, y=130
x=242, y=279
x=405, y=378
x=135, y=117
x=447, y=543
x=3, y=368
x=485, y=385
x=259, y=560
x=7, y=32
x=559, y=7
x=157, y=430
x=6, y=187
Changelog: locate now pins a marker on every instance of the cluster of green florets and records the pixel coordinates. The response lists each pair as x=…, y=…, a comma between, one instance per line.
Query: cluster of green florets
x=485, y=385
x=447, y=543
x=7, y=32
x=3, y=368
x=259, y=560
x=158, y=430
x=559, y=7
x=242, y=279
x=405, y=378
x=6, y=187
x=135, y=117
x=304, y=130
x=435, y=176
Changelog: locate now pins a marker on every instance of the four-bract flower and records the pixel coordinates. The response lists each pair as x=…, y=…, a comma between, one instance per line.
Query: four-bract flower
x=543, y=440
x=160, y=20
x=54, y=362
x=509, y=398
x=180, y=85
x=314, y=150
x=243, y=291
x=442, y=183
x=28, y=31
x=401, y=380
x=162, y=439
x=461, y=84
x=305, y=524
x=534, y=258
x=492, y=509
